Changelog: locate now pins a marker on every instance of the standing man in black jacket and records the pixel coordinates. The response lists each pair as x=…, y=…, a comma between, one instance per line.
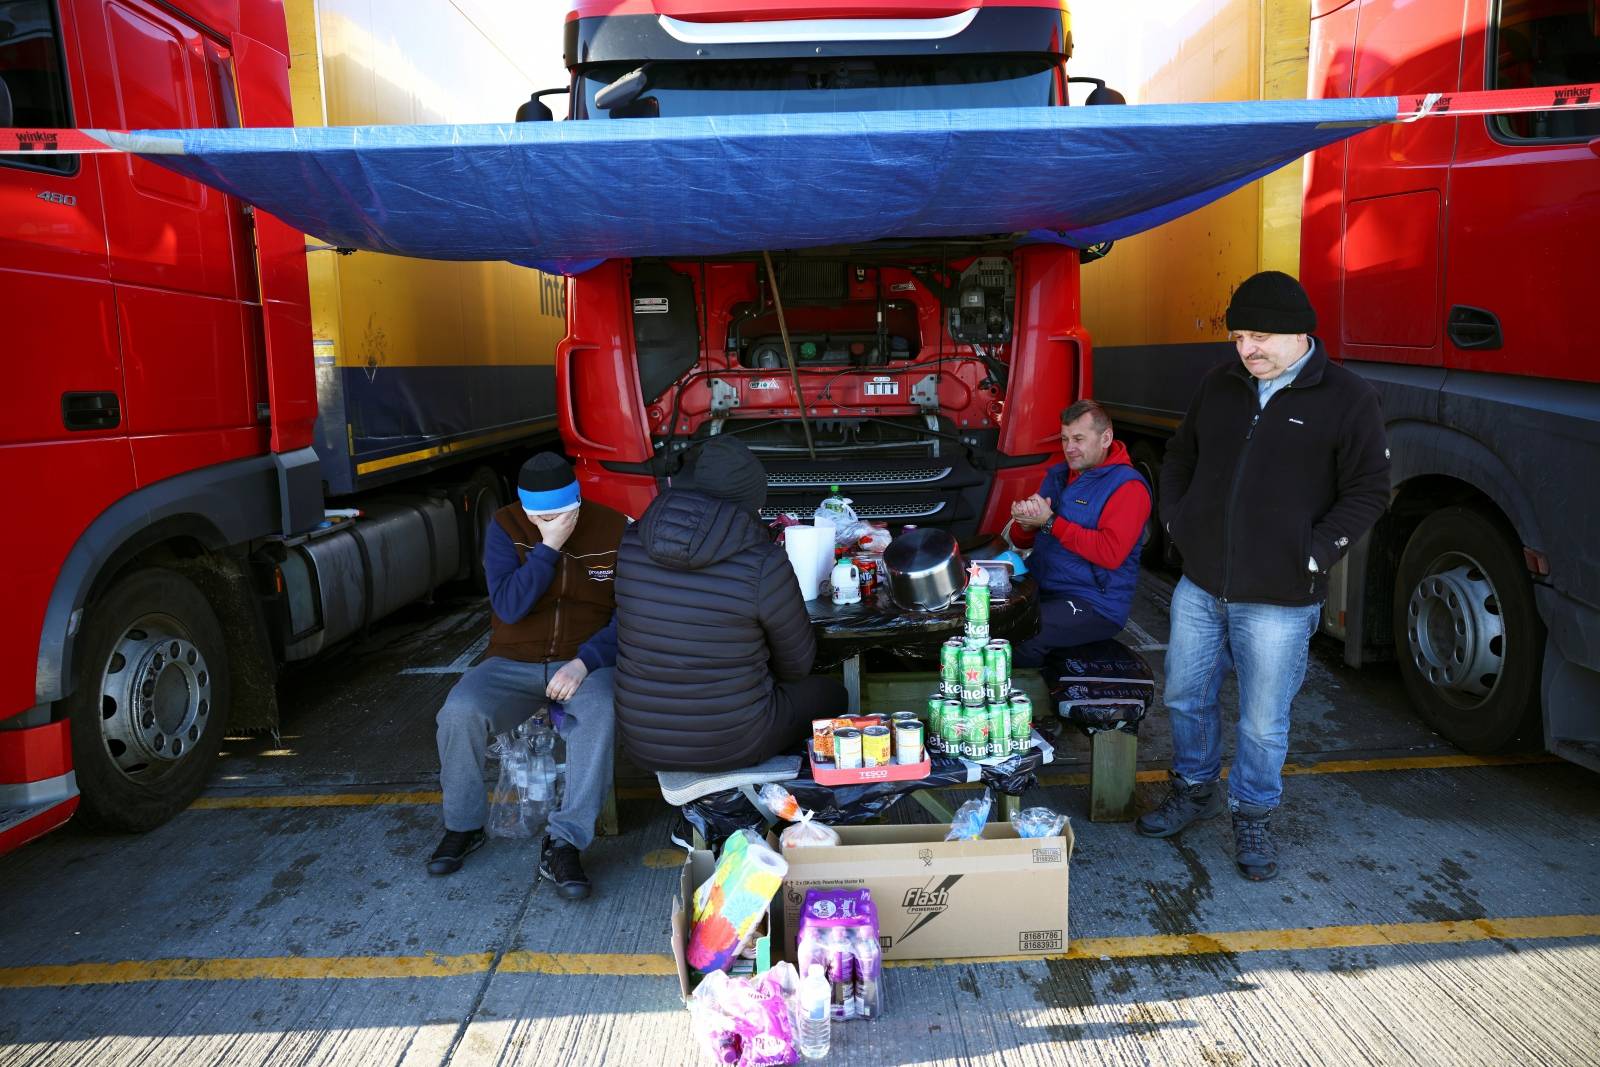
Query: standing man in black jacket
x=1279, y=464
x=714, y=646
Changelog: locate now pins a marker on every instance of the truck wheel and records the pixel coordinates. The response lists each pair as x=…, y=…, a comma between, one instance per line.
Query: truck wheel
x=1467, y=634
x=150, y=706
x=1148, y=463
x=484, y=497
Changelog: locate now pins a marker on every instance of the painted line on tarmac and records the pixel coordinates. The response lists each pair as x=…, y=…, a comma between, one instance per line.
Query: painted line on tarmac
x=1400, y=763
x=461, y=664
x=1233, y=942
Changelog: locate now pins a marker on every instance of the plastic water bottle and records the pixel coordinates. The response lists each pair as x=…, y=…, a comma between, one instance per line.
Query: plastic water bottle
x=816, y=1013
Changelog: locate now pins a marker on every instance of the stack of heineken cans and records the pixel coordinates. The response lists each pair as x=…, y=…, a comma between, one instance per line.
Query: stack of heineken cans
x=976, y=714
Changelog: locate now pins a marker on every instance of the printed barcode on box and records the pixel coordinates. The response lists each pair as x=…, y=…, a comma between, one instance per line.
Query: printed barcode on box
x=1039, y=941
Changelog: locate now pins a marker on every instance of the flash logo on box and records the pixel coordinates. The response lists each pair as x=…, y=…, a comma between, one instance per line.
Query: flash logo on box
x=927, y=904
x=920, y=899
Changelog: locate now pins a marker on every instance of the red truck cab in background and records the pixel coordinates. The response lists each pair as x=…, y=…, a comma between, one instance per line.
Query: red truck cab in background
x=931, y=373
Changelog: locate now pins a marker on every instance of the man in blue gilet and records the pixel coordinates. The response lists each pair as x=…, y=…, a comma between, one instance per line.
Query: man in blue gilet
x=1085, y=525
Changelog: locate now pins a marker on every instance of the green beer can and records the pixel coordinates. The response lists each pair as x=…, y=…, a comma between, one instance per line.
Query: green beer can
x=973, y=684
x=953, y=732
x=978, y=613
x=1021, y=721
x=950, y=666
x=997, y=670
x=999, y=728
x=976, y=744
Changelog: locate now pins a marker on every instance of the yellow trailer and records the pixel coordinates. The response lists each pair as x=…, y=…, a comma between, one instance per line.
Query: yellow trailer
x=422, y=363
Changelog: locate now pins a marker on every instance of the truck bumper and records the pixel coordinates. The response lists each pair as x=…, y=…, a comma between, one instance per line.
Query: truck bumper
x=38, y=789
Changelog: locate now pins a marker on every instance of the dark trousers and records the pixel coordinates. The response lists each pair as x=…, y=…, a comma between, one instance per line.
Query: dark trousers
x=797, y=703
x=1062, y=624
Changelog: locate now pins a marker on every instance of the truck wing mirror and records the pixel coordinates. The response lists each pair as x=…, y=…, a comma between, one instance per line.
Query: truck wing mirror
x=534, y=109
x=5, y=104
x=625, y=90
x=1101, y=93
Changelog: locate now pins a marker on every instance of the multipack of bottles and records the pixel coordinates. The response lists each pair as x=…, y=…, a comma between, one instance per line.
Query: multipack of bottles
x=838, y=931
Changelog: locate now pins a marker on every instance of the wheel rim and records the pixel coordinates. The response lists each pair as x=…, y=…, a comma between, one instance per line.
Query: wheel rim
x=155, y=697
x=1456, y=632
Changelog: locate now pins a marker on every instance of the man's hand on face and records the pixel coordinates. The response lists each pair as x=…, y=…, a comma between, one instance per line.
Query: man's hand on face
x=565, y=682
x=555, y=529
x=1032, y=513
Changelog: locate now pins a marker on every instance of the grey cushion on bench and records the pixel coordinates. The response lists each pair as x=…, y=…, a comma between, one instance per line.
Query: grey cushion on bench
x=681, y=787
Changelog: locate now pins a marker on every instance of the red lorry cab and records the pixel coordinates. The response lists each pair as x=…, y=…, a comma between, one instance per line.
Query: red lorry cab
x=931, y=374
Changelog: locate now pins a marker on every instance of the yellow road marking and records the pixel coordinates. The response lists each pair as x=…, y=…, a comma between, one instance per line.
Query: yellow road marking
x=1521, y=928
x=1401, y=763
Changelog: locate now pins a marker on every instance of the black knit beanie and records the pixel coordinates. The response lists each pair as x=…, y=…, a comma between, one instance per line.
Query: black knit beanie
x=1271, y=302
x=546, y=485
x=725, y=469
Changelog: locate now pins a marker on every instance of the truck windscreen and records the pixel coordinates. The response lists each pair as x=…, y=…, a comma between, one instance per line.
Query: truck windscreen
x=793, y=87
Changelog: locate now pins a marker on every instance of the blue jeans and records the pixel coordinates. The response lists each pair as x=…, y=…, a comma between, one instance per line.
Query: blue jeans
x=494, y=697
x=1266, y=645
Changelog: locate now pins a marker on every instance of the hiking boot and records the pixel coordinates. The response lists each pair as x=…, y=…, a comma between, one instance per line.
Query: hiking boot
x=446, y=859
x=1183, y=804
x=558, y=861
x=1254, y=850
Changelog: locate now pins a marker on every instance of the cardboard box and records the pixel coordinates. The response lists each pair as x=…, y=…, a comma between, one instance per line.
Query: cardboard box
x=697, y=869
x=1003, y=895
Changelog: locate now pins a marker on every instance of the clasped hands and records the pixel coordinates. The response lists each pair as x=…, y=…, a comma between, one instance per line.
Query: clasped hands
x=1032, y=513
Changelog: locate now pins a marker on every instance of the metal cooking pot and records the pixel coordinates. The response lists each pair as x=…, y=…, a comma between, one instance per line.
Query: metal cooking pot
x=925, y=571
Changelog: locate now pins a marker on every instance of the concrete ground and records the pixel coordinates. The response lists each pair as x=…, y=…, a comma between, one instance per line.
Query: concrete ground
x=1433, y=908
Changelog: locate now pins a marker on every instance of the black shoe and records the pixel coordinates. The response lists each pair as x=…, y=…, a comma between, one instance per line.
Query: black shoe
x=682, y=833
x=1183, y=804
x=1254, y=850
x=446, y=859
x=558, y=861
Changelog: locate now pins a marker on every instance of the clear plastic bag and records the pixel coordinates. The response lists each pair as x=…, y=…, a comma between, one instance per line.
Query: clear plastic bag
x=970, y=819
x=804, y=831
x=1038, y=822
x=529, y=785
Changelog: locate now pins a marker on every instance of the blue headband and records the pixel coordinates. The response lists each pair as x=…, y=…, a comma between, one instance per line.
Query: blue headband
x=550, y=501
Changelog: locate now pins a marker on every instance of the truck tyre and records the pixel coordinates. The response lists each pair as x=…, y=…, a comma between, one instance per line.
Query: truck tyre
x=1147, y=461
x=1467, y=634
x=483, y=497
x=150, y=707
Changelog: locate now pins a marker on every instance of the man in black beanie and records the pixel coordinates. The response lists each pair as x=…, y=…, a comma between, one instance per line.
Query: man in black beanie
x=1278, y=466
x=714, y=646
x=550, y=561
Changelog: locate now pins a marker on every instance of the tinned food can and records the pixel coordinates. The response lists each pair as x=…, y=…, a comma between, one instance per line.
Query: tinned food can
x=908, y=741
x=875, y=746
x=822, y=738
x=973, y=682
x=847, y=746
x=950, y=666
x=1021, y=722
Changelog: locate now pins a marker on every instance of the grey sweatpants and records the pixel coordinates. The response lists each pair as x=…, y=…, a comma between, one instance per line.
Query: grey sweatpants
x=493, y=698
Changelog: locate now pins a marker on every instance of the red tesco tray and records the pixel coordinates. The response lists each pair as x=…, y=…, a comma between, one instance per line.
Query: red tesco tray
x=825, y=773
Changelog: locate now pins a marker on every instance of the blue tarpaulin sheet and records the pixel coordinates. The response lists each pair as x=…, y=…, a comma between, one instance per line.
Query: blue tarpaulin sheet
x=564, y=195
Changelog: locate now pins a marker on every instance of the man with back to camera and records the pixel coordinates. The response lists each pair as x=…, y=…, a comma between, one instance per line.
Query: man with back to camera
x=550, y=560
x=1085, y=524
x=714, y=644
x=1279, y=464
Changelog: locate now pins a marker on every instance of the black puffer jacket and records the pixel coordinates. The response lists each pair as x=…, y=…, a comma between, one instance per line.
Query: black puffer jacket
x=708, y=614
